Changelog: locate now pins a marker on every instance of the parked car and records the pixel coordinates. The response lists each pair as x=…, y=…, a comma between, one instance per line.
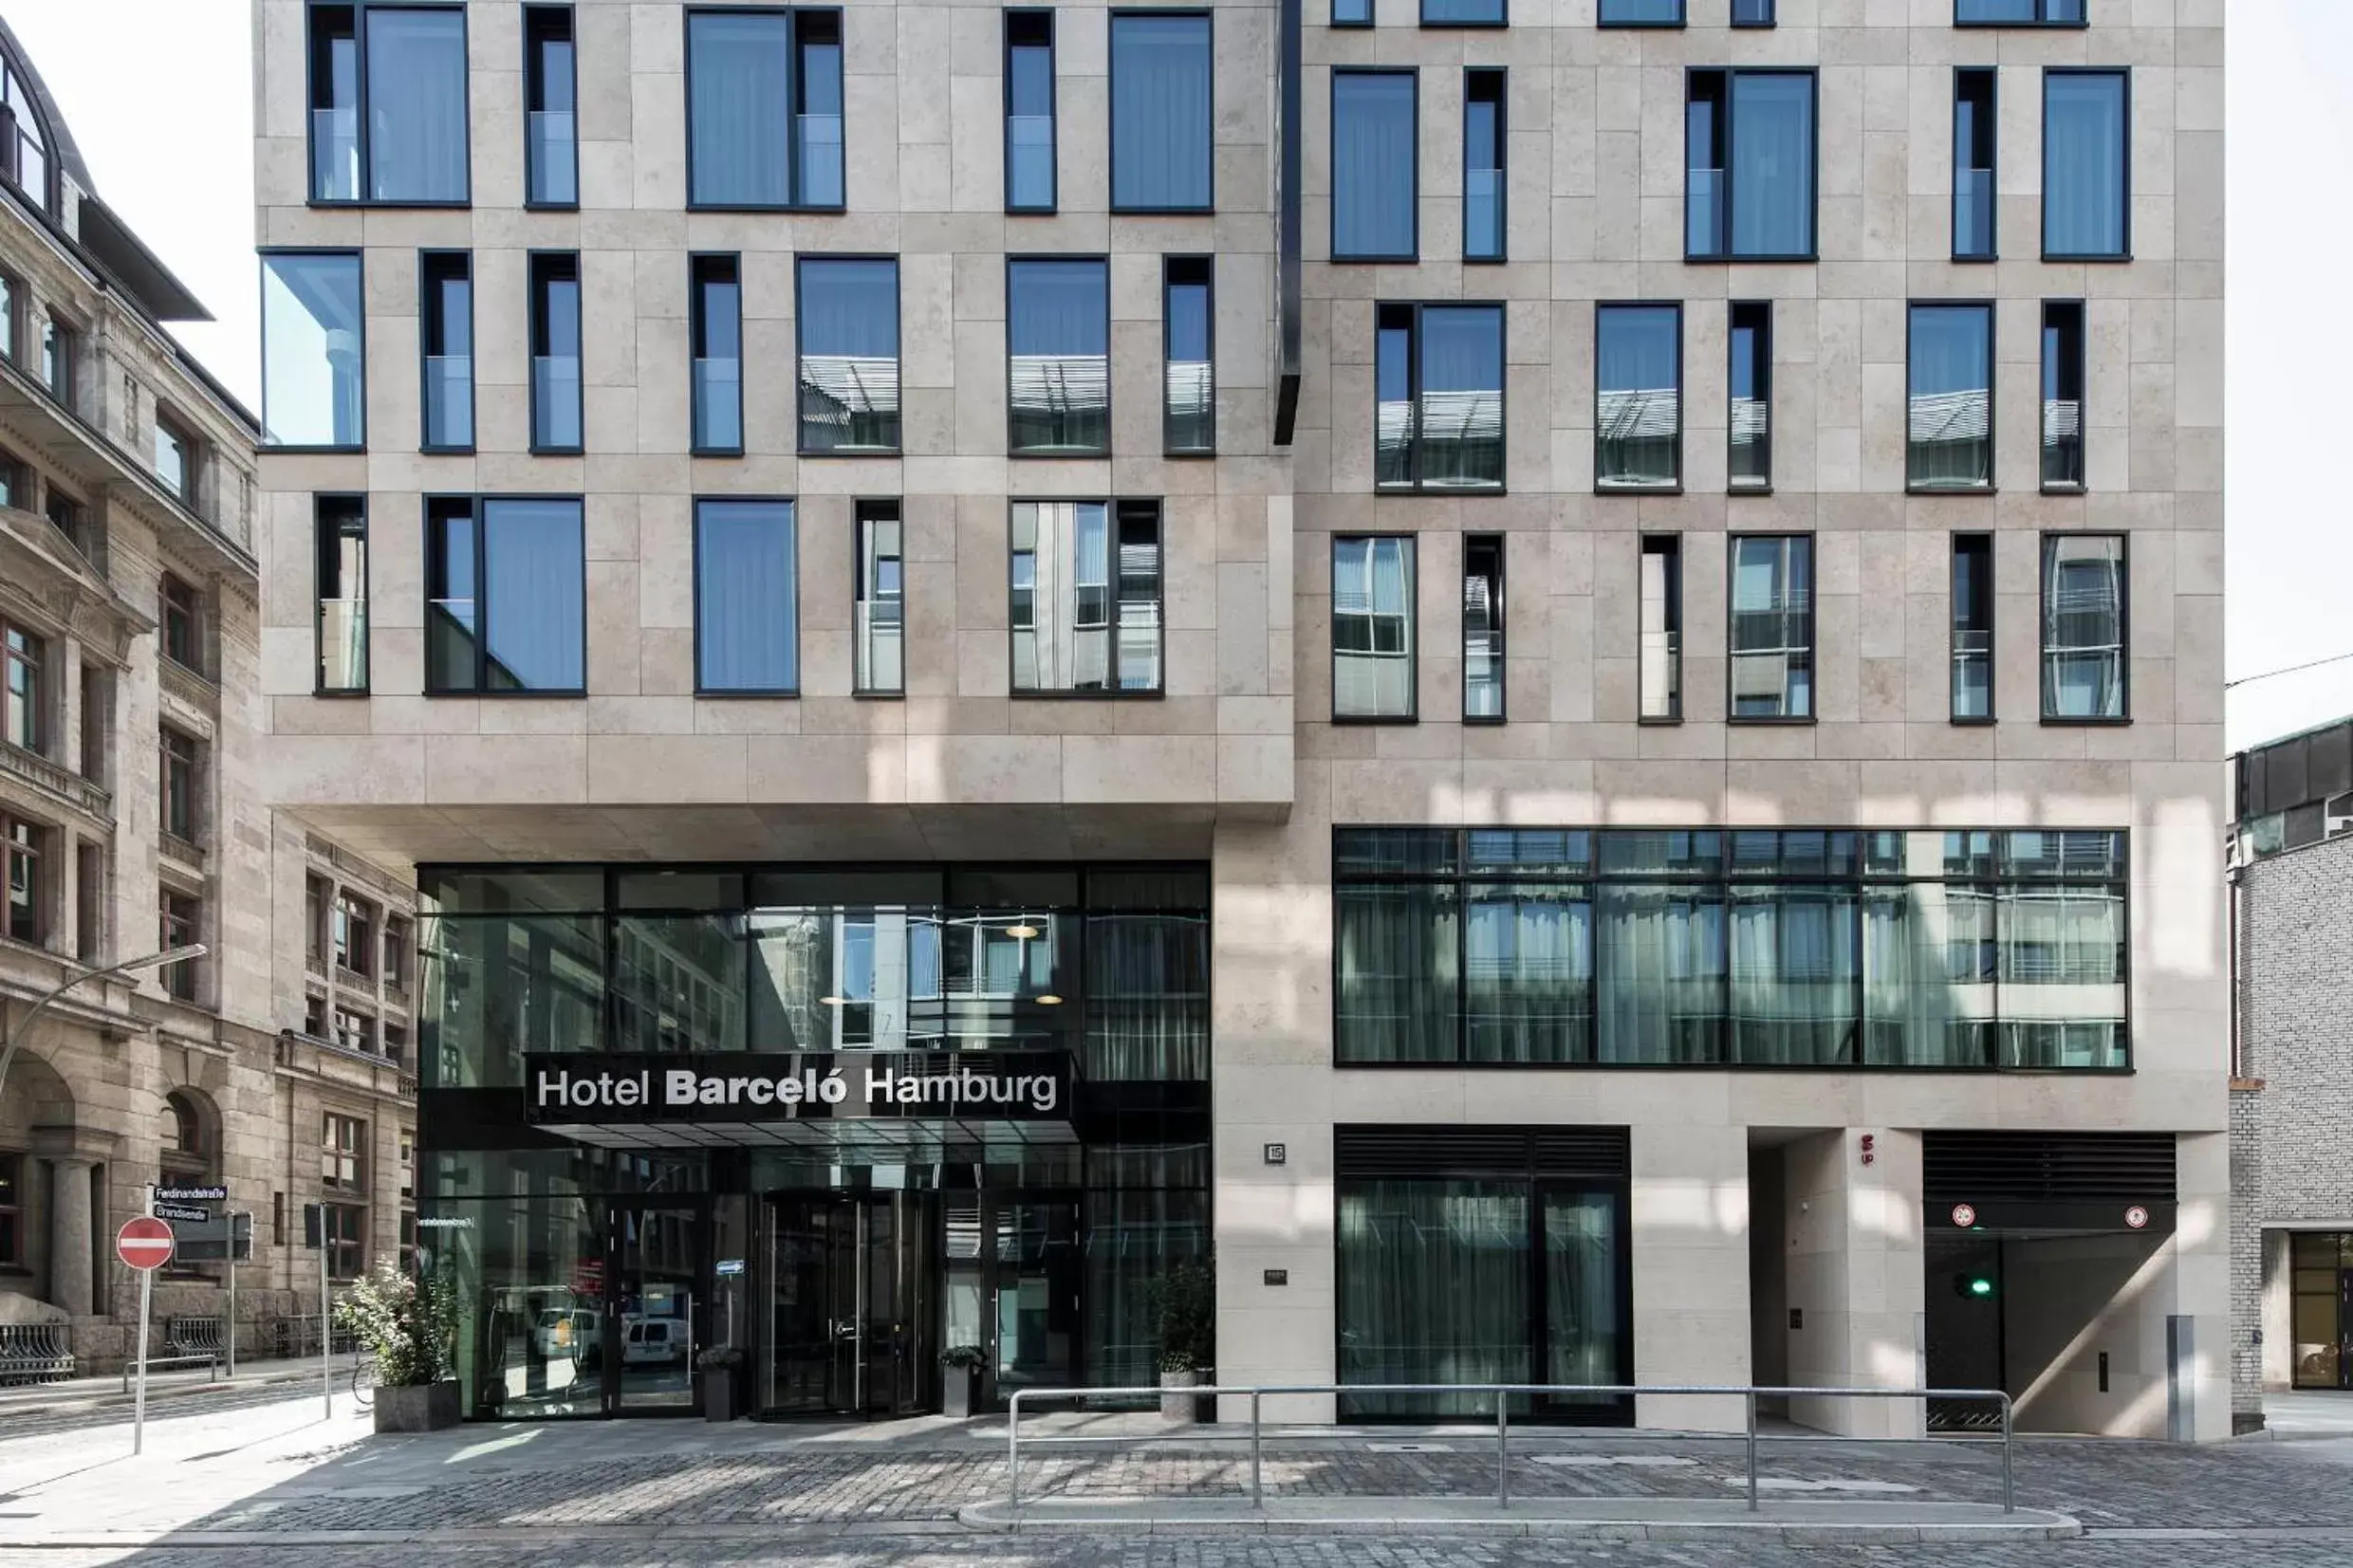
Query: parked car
x=565, y=1334
x=652, y=1342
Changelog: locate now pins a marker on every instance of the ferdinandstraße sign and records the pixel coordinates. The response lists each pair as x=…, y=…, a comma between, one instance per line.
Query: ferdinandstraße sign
x=738, y=1086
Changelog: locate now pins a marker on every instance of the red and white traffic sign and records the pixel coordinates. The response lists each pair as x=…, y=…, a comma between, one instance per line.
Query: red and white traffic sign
x=1964, y=1216
x=145, y=1243
x=2136, y=1217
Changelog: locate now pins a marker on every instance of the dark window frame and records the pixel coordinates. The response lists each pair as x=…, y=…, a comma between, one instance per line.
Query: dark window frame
x=2124, y=254
x=1764, y=379
x=1208, y=283
x=1112, y=690
x=1961, y=543
x=1993, y=395
x=1415, y=338
x=1111, y=120
x=698, y=328
x=319, y=599
x=694, y=527
x=534, y=34
x=358, y=257
x=179, y=920
x=2123, y=628
x=1991, y=76
x=1364, y=18
x=864, y=516
x=35, y=658
x=1422, y=18
x=2078, y=25
x=1682, y=18
x=1413, y=200
x=1771, y=18
x=189, y=447
x=793, y=45
x=181, y=621
x=1498, y=627
x=1601, y=486
x=1053, y=106
x=1730, y=256
x=358, y=10
x=477, y=502
x=1813, y=632
x=898, y=350
x=2081, y=365
x=1412, y=540
x=12, y=1208
x=1672, y=610
x=33, y=849
x=539, y=326
x=1102, y=259
x=1502, y=171
x=427, y=311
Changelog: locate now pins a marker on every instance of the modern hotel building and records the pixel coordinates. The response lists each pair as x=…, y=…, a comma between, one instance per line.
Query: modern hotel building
x=1547, y=675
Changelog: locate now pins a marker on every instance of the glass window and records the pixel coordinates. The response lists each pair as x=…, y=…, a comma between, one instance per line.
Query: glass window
x=746, y=596
x=1433, y=1287
x=1058, y=344
x=339, y=527
x=1028, y=111
x=1463, y=14
x=715, y=306
x=446, y=289
x=1772, y=626
x=334, y=103
x=1161, y=114
x=20, y=847
x=1085, y=596
x=881, y=629
x=1189, y=407
x=179, y=917
x=182, y=622
x=24, y=710
x=1397, y=947
x=555, y=352
x=1972, y=626
x=388, y=103
x=1749, y=137
x=2062, y=978
x=2084, y=626
x=1439, y=390
x=1642, y=14
x=1375, y=183
x=1482, y=164
x=551, y=146
x=1750, y=415
x=505, y=595
x=1950, y=440
x=849, y=354
x=1794, y=968
x=11, y=1209
x=1373, y=640
x=1660, y=962
x=2086, y=164
x=176, y=460
x=1753, y=13
x=12, y=313
x=1661, y=652
x=1975, y=132
x=60, y=345
x=763, y=116
x=1637, y=400
x=1482, y=627
x=1352, y=13
x=25, y=151
x=2019, y=14
x=2063, y=395
x=313, y=371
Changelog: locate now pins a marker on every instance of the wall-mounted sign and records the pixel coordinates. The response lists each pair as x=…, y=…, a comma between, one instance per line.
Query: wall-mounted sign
x=1276, y=1154
x=728, y=1267
x=2137, y=1218
x=1278, y=1276
x=187, y=1213
x=191, y=1195
x=574, y=1090
x=1964, y=1216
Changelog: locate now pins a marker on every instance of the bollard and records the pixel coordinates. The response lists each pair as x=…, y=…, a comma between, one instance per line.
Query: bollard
x=1503, y=1450
x=1013, y=1460
x=1752, y=1450
x=1258, y=1496
x=2010, y=1488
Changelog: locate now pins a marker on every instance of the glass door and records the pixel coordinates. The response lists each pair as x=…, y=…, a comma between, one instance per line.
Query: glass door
x=653, y=1296
x=1035, y=1295
x=1582, y=1308
x=854, y=1276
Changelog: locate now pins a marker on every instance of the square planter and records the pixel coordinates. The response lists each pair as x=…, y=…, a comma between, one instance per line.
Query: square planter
x=959, y=1391
x=424, y=1408
x=719, y=1390
x=1177, y=1405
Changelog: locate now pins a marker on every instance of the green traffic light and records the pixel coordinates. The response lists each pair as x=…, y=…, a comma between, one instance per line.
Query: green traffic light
x=1980, y=1286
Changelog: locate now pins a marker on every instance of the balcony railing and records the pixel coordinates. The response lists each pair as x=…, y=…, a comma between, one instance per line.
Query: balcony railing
x=553, y=178
x=343, y=645
x=335, y=155
x=718, y=403
x=60, y=784
x=1972, y=213
x=555, y=402
x=1482, y=213
x=820, y=160
x=449, y=400
x=1030, y=170
x=1704, y=228
x=881, y=664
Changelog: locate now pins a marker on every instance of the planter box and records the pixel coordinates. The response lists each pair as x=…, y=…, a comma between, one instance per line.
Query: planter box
x=1176, y=1406
x=959, y=1391
x=427, y=1407
x=718, y=1393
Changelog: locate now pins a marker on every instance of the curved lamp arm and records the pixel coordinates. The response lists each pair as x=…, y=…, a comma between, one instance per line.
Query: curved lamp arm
x=129, y=966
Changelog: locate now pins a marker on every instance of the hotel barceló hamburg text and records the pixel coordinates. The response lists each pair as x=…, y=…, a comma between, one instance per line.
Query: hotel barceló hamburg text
x=754, y=1087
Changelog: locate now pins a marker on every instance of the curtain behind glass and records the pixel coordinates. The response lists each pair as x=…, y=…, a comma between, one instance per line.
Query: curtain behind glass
x=1527, y=973
x=2083, y=164
x=1461, y=412
x=1161, y=153
x=2063, y=970
x=747, y=634
x=1131, y=1238
x=1928, y=957
x=1433, y=1288
x=1793, y=971
x=1661, y=957
x=741, y=68
x=313, y=386
x=849, y=354
x=1374, y=183
x=1372, y=628
x=2084, y=626
x=417, y=105
x=1583, y=1334
x=1400, y=990
x=1058, y=336
x=1637, y=407
x=1951, y=434
x=535, y=594
x=1772, y=157
x=1147, y=998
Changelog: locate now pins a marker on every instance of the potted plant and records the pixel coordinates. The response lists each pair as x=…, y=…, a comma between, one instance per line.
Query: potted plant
x=960, y=1380
x=1184, y=1307
x=721, y=1366
x=409, y=1327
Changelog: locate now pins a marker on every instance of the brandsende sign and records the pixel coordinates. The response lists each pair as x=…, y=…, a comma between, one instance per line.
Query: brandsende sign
x=751, y=1086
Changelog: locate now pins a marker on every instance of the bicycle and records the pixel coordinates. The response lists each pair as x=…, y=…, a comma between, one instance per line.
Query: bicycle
x=364, y=1381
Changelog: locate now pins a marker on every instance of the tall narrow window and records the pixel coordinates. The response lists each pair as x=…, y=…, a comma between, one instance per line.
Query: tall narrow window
x=746, y=598
x=445, y=280
x=550, y=86
x=334, y=103
x=1373, y=639
x=1974, y=130
x=388, y=103
x=179, y=784
x=1950, y=439
x=764, y=112
x=21, y=845
x=1772, y=626
x=1748, y=145
x=1750, y=415
x=313, y=341
x=880, y=651
x=849, y=354
x=2018, y=14
x=1437, y=390
x=59, y=347
x=1085, y=596
x=183, y=622
x=340, y=526
x=555, y=352
x=1482, y=628
x=505, y=595
x=1374, y=185
x=717, y=328
x=179, y=918
x=22, y=701
x=25, y=148
x=2063, y=395
x=11, y=316
x=1972, y=628
x=1189, y=405
x=1660, y=654
x=2083, y=627
x=2087, y=165
x=1028, y=111
x=1058, y=350
x=1482, y=165
x=1160, y=116
x=1637, y=396
x=175, y=459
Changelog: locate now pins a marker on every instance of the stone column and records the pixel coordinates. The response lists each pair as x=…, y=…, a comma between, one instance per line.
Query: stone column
x=70, y=1240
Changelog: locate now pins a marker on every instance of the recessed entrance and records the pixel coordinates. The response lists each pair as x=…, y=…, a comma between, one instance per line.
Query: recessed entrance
x=855, y=1301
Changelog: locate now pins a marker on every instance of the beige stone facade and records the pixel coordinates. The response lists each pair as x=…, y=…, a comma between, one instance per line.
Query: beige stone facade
x=130, y=789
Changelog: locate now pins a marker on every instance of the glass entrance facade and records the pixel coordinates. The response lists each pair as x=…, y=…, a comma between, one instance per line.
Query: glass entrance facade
x=2322, y=1309
x=797, y=1162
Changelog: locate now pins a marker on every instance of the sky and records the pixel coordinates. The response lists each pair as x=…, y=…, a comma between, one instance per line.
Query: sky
x=159, y=95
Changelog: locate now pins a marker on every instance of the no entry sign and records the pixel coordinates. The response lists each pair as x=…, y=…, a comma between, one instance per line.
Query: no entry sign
x=145, y=1243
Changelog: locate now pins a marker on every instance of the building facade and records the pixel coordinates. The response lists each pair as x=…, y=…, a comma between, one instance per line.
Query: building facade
x=132, y=818
x=1549, y=677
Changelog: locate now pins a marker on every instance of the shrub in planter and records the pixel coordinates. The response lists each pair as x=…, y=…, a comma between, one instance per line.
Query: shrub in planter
x=721, y=1367
x=960, y=1380
x=409, y=1326
x=1184, y=1308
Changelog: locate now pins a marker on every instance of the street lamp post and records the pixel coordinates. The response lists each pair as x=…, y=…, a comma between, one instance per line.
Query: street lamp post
x=129, y=966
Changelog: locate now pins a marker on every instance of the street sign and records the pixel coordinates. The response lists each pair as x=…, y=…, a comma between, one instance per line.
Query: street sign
x=1964, y=1216
x=222, y=1238
x=728, y=1267
x=187, y=1214
x=2136, y=1217
x=191, y=1195
x=145, y=1243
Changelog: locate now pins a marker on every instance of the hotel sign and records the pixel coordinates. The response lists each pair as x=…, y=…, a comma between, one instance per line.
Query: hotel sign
x=572, y=1089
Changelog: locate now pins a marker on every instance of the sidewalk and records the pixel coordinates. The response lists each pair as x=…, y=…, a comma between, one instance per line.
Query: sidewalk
x=84, y=1395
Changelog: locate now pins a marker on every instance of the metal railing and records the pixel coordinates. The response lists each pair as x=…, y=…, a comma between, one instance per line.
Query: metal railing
x=1256, y=1392
x=188, y=1341
x=35, y=1352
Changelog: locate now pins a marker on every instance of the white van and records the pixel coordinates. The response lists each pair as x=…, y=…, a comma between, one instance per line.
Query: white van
x=652, y=1342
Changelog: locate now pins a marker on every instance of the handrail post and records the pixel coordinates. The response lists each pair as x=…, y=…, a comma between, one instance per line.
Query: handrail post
x=1258, y=1496
x=1012, y=1459
x=1750, y=1399
x=1502, y=1449
x=2010, y=1488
